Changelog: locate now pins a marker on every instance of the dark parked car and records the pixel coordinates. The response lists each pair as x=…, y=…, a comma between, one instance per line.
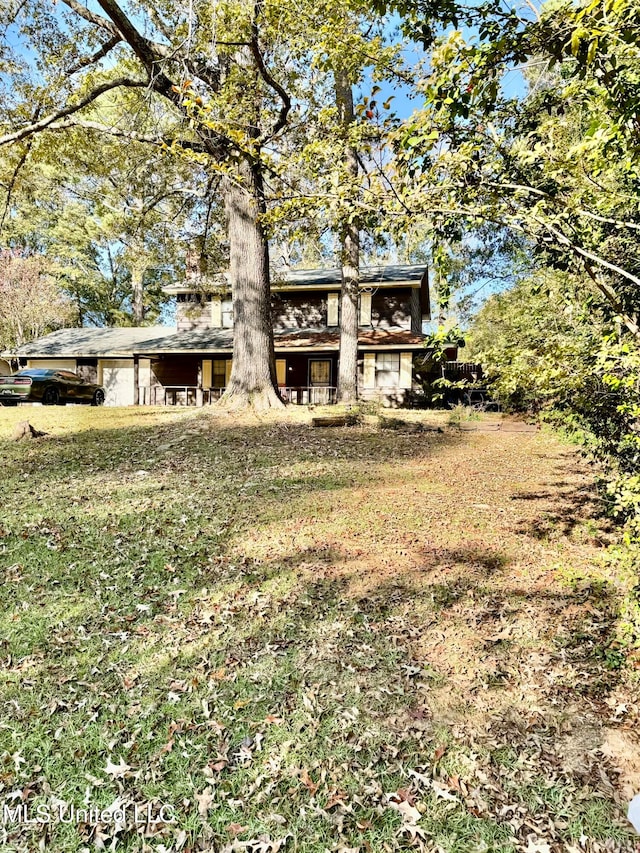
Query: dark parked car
x=49, y=387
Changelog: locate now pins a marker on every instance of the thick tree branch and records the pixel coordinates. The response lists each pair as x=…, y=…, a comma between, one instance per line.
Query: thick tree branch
x=147, y=52
x=47, y=121
x=12, y=182
x=270, y=81
x=150, y=54
x=91, y=17
x=202, y=70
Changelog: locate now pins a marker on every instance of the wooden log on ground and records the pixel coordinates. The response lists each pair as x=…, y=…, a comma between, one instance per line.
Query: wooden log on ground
x=334, y=421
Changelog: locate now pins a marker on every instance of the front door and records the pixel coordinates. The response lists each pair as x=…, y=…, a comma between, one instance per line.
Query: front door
x=319, y=380
x=320, y=372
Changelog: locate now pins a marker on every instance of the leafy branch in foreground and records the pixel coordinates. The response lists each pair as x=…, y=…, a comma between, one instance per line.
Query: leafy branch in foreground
x=557, y=165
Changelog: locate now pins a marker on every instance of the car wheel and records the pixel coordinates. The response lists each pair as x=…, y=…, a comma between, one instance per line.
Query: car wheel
x=51, y=396
x=98, y=398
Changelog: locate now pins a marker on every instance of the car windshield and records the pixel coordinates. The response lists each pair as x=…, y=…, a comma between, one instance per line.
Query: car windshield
x=35, y=371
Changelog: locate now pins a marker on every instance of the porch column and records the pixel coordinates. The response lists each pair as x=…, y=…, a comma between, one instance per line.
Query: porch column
x=199, y=394
x=136, y=381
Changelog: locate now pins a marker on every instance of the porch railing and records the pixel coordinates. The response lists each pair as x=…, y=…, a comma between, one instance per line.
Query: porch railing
x=177, y=395
x=191, y=395
x=309, y=395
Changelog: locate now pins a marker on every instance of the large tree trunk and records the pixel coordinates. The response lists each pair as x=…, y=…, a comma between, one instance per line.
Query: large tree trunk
x=349, y=259
x=253, y=376
x=348, y=364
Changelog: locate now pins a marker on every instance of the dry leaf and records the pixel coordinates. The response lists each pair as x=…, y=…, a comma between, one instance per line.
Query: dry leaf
x=116, y=771
x=204, y=801
x=308, y=782
x=409, y=813
x=235, y=829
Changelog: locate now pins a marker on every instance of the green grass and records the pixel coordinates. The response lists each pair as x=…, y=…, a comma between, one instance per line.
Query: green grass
x=243, y=616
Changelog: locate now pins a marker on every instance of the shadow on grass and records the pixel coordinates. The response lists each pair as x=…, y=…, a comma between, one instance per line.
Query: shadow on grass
x=567, y=507
x=136, y=631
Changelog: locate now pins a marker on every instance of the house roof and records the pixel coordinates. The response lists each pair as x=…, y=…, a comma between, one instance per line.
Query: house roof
x=196, y=340
x=375, y=276
x=221, y=340
x=330, y=339
x=156, y=340
x=396, y=274
x=90, y=342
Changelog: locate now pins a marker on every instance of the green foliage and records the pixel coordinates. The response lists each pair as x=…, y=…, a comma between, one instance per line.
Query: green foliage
x=551, y=349
x=538, y=342
x=104, y=216
x=558, y=167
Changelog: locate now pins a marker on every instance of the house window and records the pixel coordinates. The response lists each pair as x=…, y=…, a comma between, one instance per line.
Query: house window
x=387, y=369
x=219, y=373
x=319, y=372
x=227, y=314
x=192, y=299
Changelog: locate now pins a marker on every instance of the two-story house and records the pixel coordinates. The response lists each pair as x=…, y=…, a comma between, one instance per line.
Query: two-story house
x=191, y=362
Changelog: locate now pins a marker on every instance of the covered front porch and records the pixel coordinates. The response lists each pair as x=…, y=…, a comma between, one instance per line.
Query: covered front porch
x=199, y=380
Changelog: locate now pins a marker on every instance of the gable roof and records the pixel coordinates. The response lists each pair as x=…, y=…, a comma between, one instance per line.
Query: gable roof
x=91, y=342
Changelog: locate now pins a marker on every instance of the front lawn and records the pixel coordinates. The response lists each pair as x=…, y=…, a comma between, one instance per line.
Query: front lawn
x=349, y=639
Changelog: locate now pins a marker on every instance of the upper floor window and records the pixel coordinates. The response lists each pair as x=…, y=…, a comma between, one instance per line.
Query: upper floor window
x=387, y=369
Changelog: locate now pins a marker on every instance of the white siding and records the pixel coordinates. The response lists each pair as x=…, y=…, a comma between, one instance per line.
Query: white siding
x=53, y=363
